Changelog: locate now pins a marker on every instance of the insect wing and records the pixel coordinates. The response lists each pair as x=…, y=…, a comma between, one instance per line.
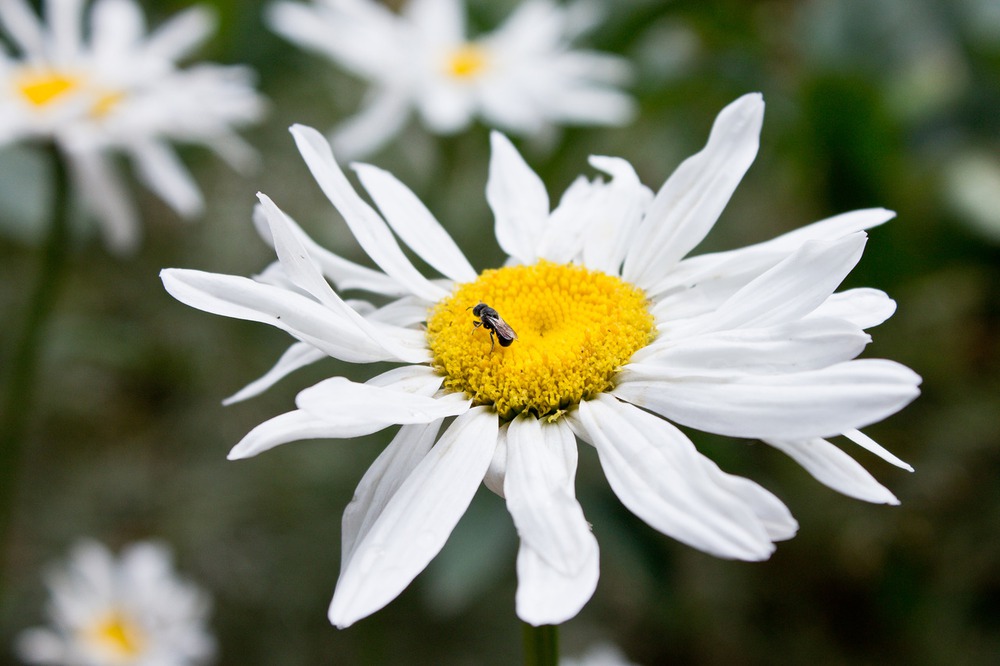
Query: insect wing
x=503, y=330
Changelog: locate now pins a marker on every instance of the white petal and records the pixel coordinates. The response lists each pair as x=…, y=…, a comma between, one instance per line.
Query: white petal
x=361, y=36
x=721, y=274
x=368, y=228
x=545, y=595
x=439, y=21
x=446, y=108
x=161, y=171
x=339, y=400
x=590, y=101
x=518, y=199
x=773, y=515
x=116, y=26
x=863, y=307
x=65, y=21
x=297, y=356
x=381, y=118
x=304, y=273
x=558, y=551
x=834, y=468
x=419, y=379
x=659, y=475
x=107, y=197
x=412, y=222
x=41, y=646
x=296, y=260
x=344, y=274
x=23, y=26
x=381, y=481
x=616, y=221
x=806, y=344
x=406, y=311
x=307, y=320
x=689, y=203
x=541, y=468
x=181, y=34
x=866, y=442
x=831, y=228
x=562, y=238
x=801, y=405
x=292, y=427
x=790, y=290
x=497, y=471
x=417, y=519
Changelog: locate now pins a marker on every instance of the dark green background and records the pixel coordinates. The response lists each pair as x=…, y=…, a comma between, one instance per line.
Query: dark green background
x=868, y=104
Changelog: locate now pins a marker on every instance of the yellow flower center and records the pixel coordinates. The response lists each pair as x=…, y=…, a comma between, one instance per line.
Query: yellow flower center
x=116, y=637
x=466, y=61
x=575, y=328
x=40, y=87
x=106, y=103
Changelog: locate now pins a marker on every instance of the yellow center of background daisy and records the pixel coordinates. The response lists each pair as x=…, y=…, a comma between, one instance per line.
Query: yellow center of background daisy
x=41, y=87
x=466, y=61
x=116, y=636
x=575, y=328
x=106, y=103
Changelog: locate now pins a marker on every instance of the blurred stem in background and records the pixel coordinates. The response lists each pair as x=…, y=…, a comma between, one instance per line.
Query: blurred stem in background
x=24, y=360
x=541, y=645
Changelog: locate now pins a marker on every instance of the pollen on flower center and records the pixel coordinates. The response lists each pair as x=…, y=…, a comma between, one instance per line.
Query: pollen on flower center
x=575, y=328
x=40, y=87
x=115, y=635
x=466, y=61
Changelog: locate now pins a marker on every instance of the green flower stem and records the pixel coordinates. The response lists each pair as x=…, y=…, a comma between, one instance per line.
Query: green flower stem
x=541, y=645
x=21, y=378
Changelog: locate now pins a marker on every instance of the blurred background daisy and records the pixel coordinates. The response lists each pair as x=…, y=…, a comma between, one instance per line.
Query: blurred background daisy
x=89, y=78
x=131, y=610
x=869, y=104
x=522, y=77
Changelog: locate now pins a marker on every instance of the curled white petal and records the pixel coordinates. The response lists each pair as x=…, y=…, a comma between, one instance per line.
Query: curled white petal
x=302, y=317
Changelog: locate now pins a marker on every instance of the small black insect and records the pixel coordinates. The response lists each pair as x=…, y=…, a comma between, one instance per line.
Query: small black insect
x=490, y=320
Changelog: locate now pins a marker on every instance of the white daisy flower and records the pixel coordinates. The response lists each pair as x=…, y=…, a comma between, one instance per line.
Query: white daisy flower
x=107, y=86
x=126, y=611
x=522, y=78
x=602, y=654
x=618, y=338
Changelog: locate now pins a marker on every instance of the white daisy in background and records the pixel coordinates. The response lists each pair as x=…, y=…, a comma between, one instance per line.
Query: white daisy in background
x=618, y=337
x=126, y=611
x=602, y=654
x=522, y=78
x=102, y=85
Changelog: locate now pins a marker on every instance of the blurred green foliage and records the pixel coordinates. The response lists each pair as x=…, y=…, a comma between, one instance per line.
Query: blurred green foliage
x=869, y=104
